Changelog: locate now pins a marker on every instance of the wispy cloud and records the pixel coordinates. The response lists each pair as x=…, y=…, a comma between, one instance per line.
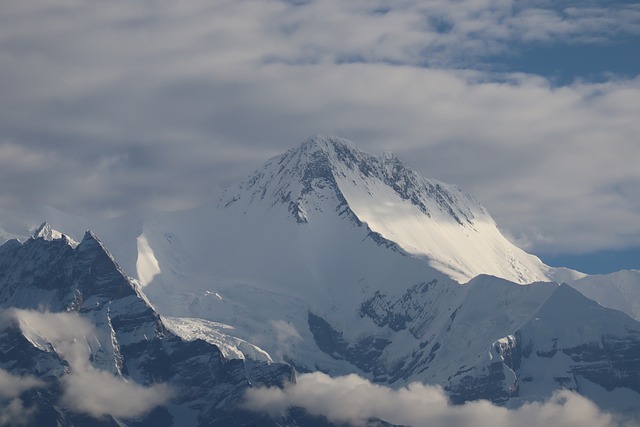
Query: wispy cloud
x=287, y=336
x=355, y=400
x=12, y=386
x=12, y=409
x=14, y=413
x=87, y=389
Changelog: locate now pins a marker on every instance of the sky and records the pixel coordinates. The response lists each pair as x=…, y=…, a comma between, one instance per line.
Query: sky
x=531, y=106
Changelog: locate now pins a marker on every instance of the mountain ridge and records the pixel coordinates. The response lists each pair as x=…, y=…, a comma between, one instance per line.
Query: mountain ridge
x=328, y=259
x=80, y=321
x=402, y=209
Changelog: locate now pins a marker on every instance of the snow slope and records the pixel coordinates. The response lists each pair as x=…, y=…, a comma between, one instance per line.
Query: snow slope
x=575, y=343
x=619, y=290
x=425, y=218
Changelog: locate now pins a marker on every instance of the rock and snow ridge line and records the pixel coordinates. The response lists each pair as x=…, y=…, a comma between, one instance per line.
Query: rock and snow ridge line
x=425, y=218
x=187, y=328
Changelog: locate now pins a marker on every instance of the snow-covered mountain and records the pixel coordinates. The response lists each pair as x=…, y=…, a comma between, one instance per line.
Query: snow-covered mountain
x=330, y=259
x=80, y=345
x=619, y=290
x=422, y=217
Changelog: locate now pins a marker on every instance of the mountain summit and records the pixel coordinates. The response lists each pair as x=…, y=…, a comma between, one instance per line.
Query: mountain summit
x=422, y=217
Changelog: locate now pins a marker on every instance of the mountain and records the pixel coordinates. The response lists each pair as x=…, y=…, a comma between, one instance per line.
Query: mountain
x=421, y=217
x=330, y=259
x=581, y=345
x=89, y=349
x=619, y=290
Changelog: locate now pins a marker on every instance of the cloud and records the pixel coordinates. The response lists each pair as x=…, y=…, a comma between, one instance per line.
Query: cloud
x=14, y=413
x=287, y=336
x=114, y=396
x=12, y=409
x=355, y=400
x=162, y=104
x=87, y=389
x=12, y=386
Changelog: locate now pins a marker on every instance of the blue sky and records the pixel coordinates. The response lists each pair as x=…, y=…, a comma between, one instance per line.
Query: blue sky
x=601, y=262
x=532, y=106
x=564, y=64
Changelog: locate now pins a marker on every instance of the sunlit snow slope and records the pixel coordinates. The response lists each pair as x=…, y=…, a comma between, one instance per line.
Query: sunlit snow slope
x=425, y=218
x=619, y=290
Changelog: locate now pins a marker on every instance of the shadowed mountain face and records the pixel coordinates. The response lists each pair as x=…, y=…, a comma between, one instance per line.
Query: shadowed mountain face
x=76, y=324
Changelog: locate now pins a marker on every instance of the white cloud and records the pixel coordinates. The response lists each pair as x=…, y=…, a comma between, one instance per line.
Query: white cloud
x=162, y=104
x=86, y=389
x=355, y=400
x=101, y=393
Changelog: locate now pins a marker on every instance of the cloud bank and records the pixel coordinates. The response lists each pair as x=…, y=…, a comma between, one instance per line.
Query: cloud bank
x=87, y=389
x=161, y=104
x=355, y=400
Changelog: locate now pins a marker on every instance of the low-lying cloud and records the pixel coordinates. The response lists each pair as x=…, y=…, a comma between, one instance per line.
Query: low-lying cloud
x=101, y=393
x=355, y=400
x=85, y=388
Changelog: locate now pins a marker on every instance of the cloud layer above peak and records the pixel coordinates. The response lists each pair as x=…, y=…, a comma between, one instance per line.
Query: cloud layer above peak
x=161, y=104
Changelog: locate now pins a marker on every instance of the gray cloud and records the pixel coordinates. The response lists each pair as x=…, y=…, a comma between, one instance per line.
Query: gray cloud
x=355, y=400
x=158, y=104
x=70, y=336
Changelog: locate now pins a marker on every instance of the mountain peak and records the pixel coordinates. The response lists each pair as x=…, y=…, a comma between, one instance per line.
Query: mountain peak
x=46, y=232
x=327, y=176
x=331, y=143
